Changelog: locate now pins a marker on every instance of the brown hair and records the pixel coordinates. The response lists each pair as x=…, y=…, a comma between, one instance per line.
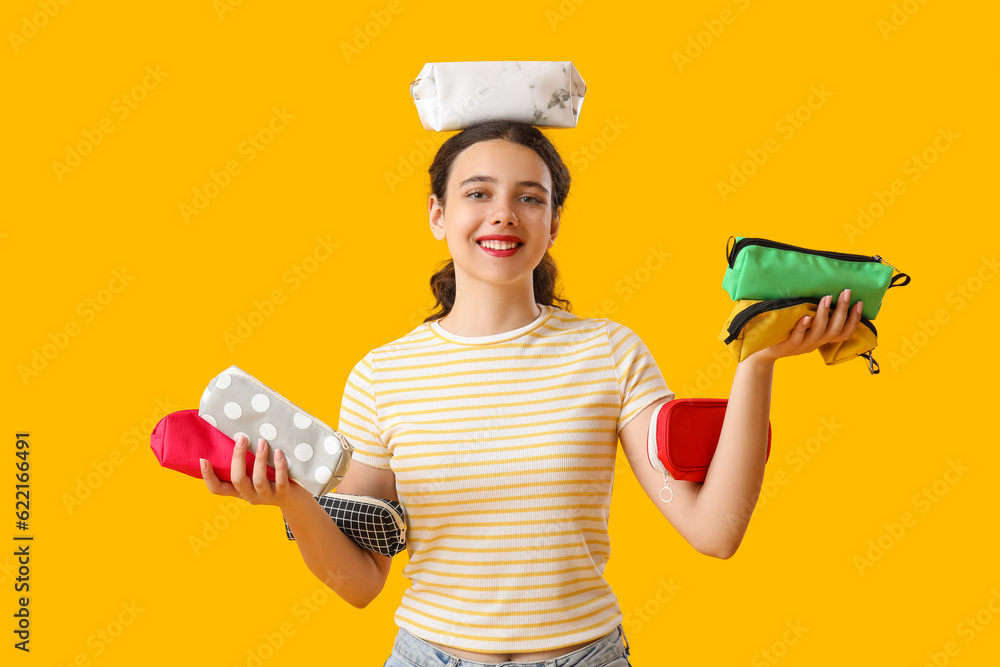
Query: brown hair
x=545, y=275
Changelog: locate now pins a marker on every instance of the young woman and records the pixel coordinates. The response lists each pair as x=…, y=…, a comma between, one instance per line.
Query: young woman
x=495, y=424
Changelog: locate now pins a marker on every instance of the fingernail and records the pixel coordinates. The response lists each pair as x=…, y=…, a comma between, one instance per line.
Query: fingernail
x=204, y=464
x=239, y=440
x=261, y=445
x=807, y=320
x=278, y=455
x=827, y=299
x=846, y=296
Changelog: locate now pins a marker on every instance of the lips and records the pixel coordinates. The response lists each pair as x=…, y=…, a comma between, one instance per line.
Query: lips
x=518, y=244
x=500, y=253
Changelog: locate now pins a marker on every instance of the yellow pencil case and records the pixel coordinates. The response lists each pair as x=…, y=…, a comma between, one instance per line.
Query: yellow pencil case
x=756, y=324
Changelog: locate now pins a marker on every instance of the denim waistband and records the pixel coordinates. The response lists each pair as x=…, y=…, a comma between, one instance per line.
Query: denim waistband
x=599, y=652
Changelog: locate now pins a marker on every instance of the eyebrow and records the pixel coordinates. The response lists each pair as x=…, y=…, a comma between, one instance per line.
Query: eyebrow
x=490, y=179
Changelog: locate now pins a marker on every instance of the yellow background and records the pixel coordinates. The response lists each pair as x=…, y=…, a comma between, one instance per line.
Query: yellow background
x=659, y=138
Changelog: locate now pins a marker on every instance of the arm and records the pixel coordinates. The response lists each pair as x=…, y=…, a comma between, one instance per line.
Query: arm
x=713, y=515
x=681, y=511
x=729, y=493
x=332, y=556
x=355, y=574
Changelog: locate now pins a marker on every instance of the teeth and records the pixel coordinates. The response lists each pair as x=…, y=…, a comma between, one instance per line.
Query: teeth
x=498, y=245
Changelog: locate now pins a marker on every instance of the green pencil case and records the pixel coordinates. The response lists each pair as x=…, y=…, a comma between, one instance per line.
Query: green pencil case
x=763, y=269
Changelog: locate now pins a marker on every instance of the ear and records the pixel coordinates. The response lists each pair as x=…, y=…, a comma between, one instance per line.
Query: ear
x=554, y=227
x=435, y=212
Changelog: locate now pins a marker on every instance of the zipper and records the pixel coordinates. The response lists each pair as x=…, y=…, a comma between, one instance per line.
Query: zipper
x=879, y=258
x=344, y=443
x=873, y=366
x=652, y=453
x=756, y=309
x=848, y=257
x=384, y=505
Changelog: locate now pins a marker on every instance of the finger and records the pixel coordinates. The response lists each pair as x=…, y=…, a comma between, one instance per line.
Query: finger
x=799, y=332
x=817, y=326
x=836, y=324
x=853, y=318
x=853, y=321
x=260, y=481
x=280, y=472
x=238, y=472
x=212, y=481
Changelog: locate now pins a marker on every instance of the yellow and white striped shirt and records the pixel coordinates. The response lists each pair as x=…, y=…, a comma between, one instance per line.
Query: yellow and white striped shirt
x=503, y=448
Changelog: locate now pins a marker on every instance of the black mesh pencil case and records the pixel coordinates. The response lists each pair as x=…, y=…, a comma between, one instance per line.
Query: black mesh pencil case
x=375, y=524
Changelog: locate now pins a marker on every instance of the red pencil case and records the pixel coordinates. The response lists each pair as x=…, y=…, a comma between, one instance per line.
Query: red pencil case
x=181, y=438
x=683, y=436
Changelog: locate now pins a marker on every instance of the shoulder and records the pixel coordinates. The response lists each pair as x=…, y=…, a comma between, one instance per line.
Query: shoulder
x=563, y=319
x=406, y=345
x=618, y=335
x=583, y=321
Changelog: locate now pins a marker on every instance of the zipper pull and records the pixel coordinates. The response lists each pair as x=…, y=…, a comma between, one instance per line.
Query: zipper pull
x=878, y=258
x=666, y=487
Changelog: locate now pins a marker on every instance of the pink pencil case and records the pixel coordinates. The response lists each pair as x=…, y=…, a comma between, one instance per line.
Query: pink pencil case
x=182, y=438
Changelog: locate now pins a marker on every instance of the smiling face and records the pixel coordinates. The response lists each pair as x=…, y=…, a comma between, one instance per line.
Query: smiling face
x=496, y=188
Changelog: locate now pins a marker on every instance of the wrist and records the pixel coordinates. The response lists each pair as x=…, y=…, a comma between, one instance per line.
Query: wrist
x=296, y=502
x=758, y=362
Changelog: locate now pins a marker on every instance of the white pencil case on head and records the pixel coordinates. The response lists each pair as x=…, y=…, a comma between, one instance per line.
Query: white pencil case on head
x=235, y=402
x=456, y=95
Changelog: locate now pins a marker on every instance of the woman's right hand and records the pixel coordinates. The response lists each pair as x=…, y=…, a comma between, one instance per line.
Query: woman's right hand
x=257, y=490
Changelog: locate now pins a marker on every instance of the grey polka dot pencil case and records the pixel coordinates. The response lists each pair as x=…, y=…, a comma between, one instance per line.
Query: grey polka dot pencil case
x=235, y=402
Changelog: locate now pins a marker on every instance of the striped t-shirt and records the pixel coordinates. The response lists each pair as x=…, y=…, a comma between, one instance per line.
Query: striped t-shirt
x=503, y=448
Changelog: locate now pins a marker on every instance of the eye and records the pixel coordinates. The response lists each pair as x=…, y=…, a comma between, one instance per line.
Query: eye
x=475, y=192
x=536, y=199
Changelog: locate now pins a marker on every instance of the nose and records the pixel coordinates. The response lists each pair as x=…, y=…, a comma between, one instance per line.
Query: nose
x=504, y=214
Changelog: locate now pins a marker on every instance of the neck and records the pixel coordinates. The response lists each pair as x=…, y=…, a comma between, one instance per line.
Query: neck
x=486, y=312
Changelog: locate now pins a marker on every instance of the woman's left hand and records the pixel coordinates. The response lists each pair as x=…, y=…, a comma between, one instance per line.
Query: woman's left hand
x=809, y=334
